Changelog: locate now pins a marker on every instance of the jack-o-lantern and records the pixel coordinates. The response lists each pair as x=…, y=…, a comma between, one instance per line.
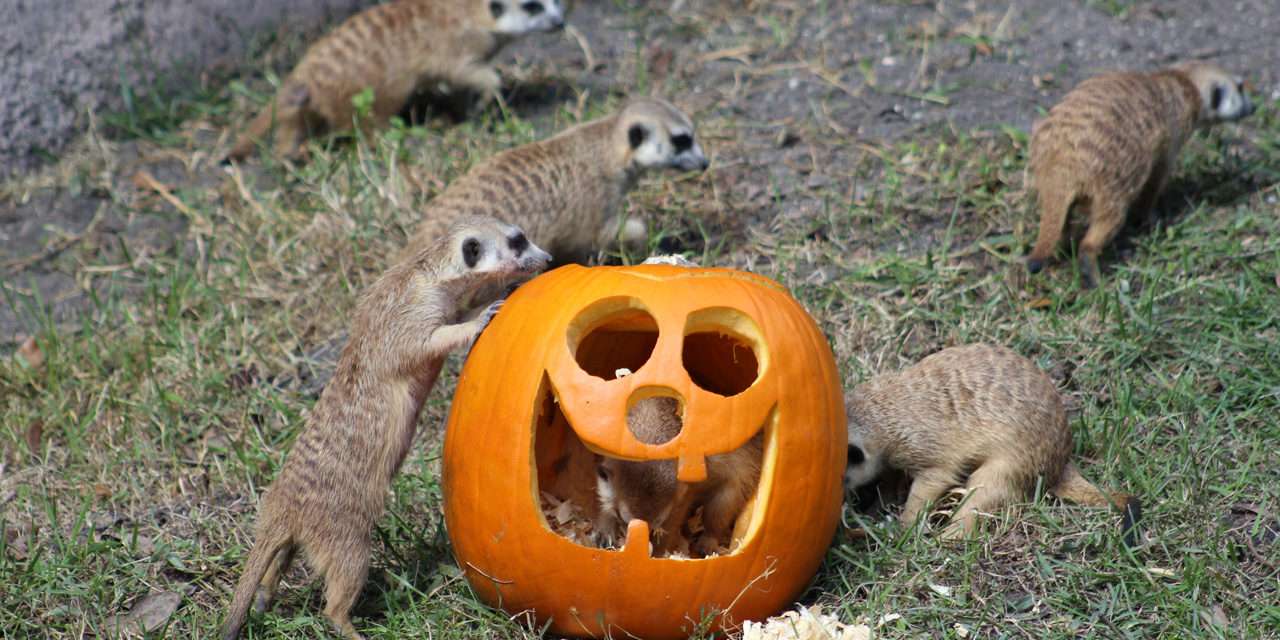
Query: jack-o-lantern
x=558, y=369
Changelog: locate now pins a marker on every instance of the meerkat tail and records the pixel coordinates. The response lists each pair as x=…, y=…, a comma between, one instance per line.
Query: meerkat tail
x=1055, y=203
x=260, y=558
x=1074, y=487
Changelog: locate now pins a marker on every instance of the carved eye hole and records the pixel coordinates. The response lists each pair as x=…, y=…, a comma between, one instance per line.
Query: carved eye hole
x=532, y=8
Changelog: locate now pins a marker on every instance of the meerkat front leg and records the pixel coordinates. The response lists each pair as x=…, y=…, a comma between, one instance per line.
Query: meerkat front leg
x=448, y=337
x=625, y=231
x=483, y=79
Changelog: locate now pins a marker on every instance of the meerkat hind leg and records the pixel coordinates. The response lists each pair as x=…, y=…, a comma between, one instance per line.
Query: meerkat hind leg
x=267, y=588
x=1106, y=219
x=717, y=521
x=344, y=578
x=990, y=487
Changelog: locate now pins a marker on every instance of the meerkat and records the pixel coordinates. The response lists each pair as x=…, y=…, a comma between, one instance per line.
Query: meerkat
x=1110, y=145
x=334, y=483
x=978, y=415
x=649, y=490
x=395, y=49
x=568, y=191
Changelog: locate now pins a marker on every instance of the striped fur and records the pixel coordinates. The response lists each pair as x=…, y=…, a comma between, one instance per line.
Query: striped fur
x=980, y=416
x=1110, y=145
x=567, y=192
x=394, y=49
x=332, y=487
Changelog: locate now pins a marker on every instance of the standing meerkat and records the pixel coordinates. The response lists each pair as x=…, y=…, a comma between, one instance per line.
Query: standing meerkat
x=333, y=485
x=394, y=49
x=649, y=490
x=567, y=192
x=978, y=415
x=1111, y=144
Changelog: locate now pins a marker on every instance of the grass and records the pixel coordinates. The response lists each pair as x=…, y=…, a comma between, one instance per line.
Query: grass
x=135, y=453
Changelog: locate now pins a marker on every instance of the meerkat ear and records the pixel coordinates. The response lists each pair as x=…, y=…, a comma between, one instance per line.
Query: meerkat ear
x=496, y=9
x=1215, y=97
x=636, y=135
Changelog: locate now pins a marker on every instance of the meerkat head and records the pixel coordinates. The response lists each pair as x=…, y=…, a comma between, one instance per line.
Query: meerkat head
x=656, y=135
x=1222, y=95
x=488, y=248
x=518, y=17
x=862, y=466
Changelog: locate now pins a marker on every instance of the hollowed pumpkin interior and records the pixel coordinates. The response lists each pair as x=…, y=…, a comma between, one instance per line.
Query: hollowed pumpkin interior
x=721, y=357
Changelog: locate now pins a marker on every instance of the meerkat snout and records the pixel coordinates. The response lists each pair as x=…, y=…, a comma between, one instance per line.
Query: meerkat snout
x=514, y=18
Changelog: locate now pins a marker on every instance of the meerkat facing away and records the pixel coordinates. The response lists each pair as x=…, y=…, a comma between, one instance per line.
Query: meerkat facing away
x=978, y=415
x=1110, y=145
x=567, y=192
x=334, y=482
x=394, y=49
x=649, y=490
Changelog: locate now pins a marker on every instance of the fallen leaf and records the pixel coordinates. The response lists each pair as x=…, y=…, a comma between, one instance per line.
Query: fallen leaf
x=101, y=490
x=1219, y=616
x=31, y=354
x=941, y=590
x=1278, y=278
x=983, y=48
x=1039, y=303
x=35, y=436
x=148, y=614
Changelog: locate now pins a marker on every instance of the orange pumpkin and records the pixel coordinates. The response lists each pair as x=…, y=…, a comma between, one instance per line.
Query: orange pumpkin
x=739, y=352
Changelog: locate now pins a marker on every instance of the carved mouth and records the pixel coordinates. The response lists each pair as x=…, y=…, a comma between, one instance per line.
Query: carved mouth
x=619, y=341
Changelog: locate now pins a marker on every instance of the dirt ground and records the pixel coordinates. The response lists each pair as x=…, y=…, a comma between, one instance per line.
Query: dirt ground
x=794, y=95
x=865, y=154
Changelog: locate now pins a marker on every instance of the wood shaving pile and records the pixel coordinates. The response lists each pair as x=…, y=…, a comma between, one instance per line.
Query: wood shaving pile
x=805, y=624
x=567, y=519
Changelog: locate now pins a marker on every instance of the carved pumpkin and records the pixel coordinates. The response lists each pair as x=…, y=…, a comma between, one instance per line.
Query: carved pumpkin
x=740, y=354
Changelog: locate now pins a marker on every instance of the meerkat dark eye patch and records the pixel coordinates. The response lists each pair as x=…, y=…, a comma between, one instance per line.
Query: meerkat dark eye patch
x=471, y=251
x=532, y=8
x=855, y=455
x=496, y=9
x=636, y=135
x=1215, y=99
x=603, y=473
x=518, y=242
x=682, y=142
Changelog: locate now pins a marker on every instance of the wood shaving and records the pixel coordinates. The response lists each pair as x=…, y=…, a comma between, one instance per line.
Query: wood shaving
x=805, y=624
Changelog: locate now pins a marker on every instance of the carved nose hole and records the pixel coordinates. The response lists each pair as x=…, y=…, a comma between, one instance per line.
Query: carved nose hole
x=611, y=336
x=655, y=416
x=722, y=350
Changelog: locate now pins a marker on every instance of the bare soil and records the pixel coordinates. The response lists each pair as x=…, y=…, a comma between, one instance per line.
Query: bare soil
x=794, y=98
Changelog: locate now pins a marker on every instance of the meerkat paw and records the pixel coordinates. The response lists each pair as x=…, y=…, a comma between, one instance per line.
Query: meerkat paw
x=487, y=315
x=706, y=545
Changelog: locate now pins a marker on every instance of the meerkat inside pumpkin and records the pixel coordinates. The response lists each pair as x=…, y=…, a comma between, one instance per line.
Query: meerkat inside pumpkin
x=589, y=498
